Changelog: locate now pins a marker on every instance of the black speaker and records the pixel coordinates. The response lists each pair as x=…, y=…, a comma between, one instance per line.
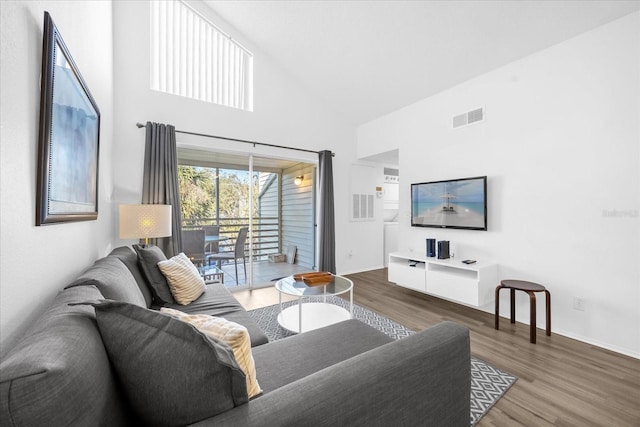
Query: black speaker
x=443, y=249
x=431, y=248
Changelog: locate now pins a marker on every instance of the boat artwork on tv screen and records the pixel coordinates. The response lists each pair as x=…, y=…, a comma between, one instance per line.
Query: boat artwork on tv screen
x=457, y=203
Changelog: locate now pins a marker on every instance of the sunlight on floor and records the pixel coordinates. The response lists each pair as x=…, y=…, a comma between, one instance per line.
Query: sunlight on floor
x=264, y=276
x=258, y=298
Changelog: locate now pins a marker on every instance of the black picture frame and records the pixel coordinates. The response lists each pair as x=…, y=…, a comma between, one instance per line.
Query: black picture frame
x=69, y=137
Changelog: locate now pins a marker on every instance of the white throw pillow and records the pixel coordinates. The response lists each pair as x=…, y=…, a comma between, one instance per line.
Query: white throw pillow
x=233, y=334
x=184, y=280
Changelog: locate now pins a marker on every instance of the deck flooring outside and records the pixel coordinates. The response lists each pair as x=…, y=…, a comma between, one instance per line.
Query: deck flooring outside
x=264, y=273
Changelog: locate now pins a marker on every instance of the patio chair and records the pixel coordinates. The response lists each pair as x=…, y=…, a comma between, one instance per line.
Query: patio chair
x=193, y=246
x=236, y=254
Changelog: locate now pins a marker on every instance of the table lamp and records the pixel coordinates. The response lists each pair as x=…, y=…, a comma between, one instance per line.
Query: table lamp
x=145, y=221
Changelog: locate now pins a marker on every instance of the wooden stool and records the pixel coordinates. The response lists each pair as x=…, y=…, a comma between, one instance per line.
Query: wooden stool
x=530, y=288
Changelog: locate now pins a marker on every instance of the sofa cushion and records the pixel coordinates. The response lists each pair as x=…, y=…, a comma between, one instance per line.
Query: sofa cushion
x=231, y=333
x=148, y=258
x=113, y=279
x=312, y=351
x=216, y=300
x=171, y=373
x=130, y=259
x=185, y=283
x=59, y=373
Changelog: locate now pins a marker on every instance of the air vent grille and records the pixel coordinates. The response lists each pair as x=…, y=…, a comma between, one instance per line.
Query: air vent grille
x=460, y=120
x=470, y=117
x=362, y=207
x=475, y=115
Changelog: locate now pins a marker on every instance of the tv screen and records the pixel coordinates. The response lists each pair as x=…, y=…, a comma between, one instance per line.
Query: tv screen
x=456, y=203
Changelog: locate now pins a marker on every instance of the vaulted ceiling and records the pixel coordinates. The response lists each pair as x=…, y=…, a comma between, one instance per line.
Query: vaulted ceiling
x=368, y=58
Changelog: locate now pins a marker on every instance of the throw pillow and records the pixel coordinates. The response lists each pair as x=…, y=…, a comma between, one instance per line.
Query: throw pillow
x=171, y=373
x=233, y=334
x=185, y=282
x=149, y=257
x=57, y=373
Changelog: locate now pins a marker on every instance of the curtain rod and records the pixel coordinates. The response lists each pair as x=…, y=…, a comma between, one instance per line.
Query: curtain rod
x=264, y=144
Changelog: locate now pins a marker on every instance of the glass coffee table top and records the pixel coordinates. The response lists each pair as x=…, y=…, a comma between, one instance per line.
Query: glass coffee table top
x=337, y=286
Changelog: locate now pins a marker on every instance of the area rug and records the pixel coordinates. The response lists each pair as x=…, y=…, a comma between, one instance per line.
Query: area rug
x=488, y=383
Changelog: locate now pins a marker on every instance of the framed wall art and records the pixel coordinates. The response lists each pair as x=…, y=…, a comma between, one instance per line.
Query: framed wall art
x=68, y=138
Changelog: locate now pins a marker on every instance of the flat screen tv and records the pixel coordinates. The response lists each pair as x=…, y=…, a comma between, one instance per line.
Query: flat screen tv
x=456, y=203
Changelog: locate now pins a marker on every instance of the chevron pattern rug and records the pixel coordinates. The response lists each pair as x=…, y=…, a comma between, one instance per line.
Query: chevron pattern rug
x=488, y=383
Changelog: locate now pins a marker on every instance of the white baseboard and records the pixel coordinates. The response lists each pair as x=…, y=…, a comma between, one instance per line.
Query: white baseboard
x=489, y=309
x=344, y=273
x=604, y=346
x=573, y=336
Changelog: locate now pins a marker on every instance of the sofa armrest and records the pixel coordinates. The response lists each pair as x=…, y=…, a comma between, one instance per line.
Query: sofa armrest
x=423, y=379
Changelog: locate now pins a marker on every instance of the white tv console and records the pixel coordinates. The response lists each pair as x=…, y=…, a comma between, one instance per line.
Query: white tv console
x=469, y=284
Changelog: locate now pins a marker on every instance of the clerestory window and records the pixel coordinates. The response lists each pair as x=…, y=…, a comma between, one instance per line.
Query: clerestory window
x=192, y=57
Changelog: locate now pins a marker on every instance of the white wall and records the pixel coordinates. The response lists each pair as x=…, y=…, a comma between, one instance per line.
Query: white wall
x=284, y=114
x=38, y=261
x=561, y=148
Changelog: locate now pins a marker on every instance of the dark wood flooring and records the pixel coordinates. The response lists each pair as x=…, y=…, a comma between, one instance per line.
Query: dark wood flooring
x=561, y=381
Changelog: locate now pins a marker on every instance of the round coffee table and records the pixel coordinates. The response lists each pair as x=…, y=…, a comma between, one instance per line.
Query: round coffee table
x=310, y=315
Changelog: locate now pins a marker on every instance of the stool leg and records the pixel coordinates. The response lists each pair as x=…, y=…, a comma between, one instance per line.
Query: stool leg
x=548, y=299
x=497, y=315
x=513, y=305
x=532, y=319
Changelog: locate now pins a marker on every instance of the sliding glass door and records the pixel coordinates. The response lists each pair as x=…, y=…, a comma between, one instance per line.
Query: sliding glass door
x=231, y=192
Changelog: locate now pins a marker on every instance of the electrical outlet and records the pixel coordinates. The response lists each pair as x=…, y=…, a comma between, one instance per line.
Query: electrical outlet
x=579, y=304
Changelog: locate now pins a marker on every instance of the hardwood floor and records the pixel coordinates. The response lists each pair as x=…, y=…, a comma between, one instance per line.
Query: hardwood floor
x=561, y=381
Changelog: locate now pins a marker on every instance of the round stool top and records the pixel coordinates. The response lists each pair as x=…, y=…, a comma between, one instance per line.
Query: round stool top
x=522, y=285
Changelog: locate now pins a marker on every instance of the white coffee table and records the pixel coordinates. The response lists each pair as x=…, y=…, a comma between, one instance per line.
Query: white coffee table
x=315, y=312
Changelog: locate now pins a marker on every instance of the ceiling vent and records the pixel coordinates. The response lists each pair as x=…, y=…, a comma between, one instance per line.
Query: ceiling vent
x=468, y=118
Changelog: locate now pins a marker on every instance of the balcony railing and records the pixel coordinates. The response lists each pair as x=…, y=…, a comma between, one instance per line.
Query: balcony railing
x=266, y=233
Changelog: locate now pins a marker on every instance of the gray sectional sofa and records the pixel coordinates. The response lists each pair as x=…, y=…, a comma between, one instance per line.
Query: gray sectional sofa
x=59, y=373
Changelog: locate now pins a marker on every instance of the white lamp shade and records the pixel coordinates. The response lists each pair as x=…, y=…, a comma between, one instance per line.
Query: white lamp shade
x=145, y=221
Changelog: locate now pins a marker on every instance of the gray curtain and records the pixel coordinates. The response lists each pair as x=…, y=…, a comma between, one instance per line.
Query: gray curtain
x=326, y=219
x=160, y=181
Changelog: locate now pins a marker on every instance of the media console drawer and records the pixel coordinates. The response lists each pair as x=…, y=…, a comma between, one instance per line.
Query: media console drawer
x=403, y=274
